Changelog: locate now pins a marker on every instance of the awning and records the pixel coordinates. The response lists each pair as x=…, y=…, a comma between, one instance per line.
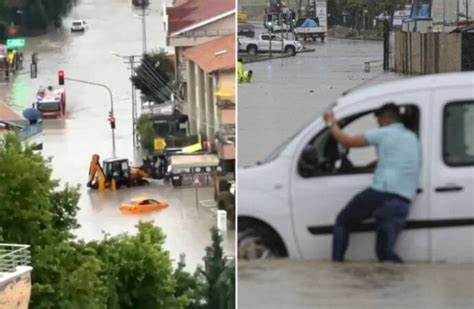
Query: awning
x=224, y=93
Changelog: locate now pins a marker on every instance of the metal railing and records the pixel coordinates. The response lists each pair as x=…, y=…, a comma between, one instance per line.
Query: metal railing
x=30, y=131
x=12, y=256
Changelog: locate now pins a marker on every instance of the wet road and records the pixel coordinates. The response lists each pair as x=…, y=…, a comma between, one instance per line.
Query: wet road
x=287, y=93
x=113, y=26
x=358, y=285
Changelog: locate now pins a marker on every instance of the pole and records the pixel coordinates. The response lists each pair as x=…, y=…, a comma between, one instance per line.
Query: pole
x=111, y=104
x=143, y=29
x=134, y=103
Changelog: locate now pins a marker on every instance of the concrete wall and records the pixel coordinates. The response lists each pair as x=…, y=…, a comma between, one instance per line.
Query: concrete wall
x=427, y=53
x=15, y=291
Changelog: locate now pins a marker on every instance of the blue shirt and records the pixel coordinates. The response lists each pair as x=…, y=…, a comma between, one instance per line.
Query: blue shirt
x=399, y=160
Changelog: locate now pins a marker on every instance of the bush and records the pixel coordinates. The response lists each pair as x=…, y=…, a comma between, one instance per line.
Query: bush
x=147, y=133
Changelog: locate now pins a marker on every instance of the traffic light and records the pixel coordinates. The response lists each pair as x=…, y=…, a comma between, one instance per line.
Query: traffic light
x=61, y=77
x=112, y=122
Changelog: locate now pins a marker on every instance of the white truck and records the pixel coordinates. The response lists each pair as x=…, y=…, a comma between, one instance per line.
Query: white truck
x=263, y=42
x=288, y=204
x=314, y=24
x=309, y=28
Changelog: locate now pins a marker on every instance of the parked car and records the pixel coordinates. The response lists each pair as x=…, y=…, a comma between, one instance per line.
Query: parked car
x=289, y=202
x=247, y=30
x=141, y=205
x=263, y=41
x=79, y=25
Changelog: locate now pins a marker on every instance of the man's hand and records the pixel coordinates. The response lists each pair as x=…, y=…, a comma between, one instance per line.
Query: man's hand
x=343, y=138
x=329, y=117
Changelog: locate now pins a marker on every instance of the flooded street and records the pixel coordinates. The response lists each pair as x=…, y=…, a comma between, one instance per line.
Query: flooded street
x=321, y=285
x=114, y=26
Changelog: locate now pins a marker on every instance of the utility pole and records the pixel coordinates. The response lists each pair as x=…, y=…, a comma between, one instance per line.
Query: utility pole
x=131, y=61
x=143, y=28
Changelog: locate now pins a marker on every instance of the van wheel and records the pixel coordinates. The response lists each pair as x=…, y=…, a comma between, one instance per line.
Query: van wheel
x=290, y=50
x=258, y=243
x=252, y=50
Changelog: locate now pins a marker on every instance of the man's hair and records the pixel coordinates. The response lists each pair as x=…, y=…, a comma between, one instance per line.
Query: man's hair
x=250, y=72
x=240, y=60
x=389, y=110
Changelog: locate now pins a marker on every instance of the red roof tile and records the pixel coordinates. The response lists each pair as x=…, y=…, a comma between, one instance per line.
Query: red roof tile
x=186, y=13
x=204, y=55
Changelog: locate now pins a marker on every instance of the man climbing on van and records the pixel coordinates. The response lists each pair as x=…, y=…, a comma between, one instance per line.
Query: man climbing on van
x=394, y=185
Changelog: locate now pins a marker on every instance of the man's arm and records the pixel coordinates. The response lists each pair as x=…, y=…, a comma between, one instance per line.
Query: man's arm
x=343, y=138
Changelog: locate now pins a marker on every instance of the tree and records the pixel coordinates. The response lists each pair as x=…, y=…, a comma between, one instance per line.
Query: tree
x=33, y=211
x=154, y=76
x=35, y=15
x=219, y=276
x=147, y=132
x=138, y=270
x=354, y=8
x=389, y=7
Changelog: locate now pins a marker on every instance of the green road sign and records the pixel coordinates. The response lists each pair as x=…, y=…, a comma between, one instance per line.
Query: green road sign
x=13, y=43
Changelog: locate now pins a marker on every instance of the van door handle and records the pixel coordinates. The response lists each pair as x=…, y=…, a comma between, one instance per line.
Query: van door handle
x=419, y=191
x=451, y=188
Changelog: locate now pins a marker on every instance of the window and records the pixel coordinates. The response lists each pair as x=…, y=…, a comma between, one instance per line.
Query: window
x=458, y=134
x=323, y=156
x=265, y=37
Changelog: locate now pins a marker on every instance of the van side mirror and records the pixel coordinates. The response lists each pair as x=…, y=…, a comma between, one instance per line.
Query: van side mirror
x=309, y=162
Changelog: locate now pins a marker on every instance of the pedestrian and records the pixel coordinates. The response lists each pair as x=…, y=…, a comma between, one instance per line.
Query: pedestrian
x=394, y=184
x=240, y=70
x=247, y=78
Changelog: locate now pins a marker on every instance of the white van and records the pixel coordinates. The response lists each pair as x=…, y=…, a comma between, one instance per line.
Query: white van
x=287, y=205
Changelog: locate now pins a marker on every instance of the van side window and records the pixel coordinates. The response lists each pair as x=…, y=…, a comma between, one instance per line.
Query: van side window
x=323, y=156
x=458, y=134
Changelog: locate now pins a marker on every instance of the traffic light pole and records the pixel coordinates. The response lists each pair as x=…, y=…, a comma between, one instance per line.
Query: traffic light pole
x=111, y=104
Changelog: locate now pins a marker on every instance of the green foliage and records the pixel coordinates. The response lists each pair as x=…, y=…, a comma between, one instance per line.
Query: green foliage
x=219, y=275
x=138, y=270
x=154, y=76
x=35, y=15
x=25, y=209
x=65, y=277
x=33, y=211
x=146, y=132
x=389, y=7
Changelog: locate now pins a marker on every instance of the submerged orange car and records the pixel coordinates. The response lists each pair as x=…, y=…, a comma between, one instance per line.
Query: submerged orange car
x=142, y=204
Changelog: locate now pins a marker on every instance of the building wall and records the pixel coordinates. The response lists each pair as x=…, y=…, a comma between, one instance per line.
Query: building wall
x=198, y=36
x=15, y=292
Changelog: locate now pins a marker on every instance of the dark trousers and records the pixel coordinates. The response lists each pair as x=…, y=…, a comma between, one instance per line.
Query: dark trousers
x=390, y=212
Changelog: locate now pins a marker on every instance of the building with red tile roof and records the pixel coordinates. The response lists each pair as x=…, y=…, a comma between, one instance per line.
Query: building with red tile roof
x=202, y=33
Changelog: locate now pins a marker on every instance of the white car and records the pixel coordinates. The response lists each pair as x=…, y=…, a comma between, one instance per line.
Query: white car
x=288, y=204
x=79, y=25
x=265, y=41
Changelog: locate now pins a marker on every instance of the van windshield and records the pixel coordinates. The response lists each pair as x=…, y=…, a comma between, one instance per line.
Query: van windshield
x=275, y=153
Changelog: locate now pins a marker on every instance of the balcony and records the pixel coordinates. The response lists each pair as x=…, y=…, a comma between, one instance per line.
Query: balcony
x=15, y=279
x=31, y=133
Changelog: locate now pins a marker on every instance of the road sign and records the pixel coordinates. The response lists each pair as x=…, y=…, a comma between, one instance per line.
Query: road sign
x=13, y=43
